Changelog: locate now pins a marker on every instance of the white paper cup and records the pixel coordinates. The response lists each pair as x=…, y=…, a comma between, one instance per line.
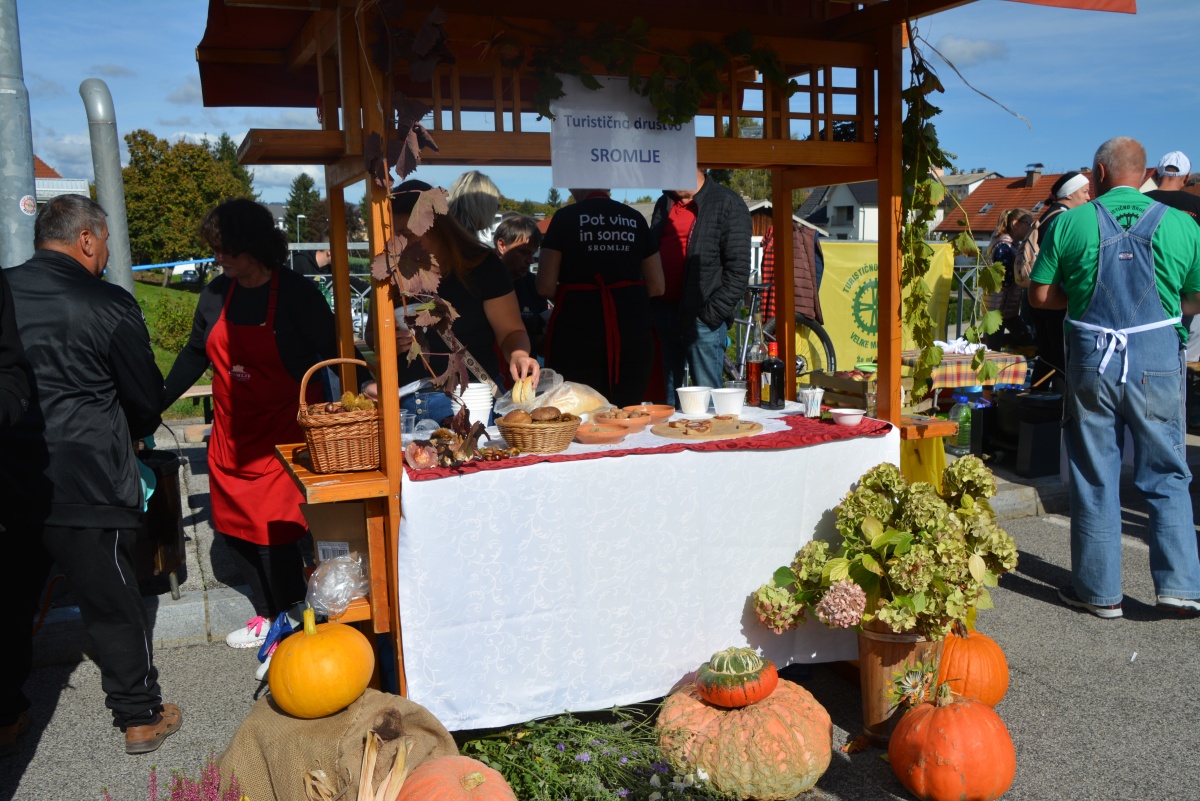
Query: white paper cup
x=728, y=400
x=693, y=400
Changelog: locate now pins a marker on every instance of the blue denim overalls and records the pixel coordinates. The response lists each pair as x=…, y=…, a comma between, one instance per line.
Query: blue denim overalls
x=1145, y=393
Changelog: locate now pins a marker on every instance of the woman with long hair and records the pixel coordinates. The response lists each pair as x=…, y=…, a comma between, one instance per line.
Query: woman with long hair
x=474, y=200
x=1013, y=227
x=476, y=283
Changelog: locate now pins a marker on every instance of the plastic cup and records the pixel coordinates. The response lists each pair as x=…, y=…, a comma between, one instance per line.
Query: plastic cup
x=478, y=399
x=735, y=384
x=693, y=400
x=728, y=400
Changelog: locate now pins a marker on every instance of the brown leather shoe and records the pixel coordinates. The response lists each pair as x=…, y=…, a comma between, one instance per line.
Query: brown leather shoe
x=144, y=739
x=10, y=733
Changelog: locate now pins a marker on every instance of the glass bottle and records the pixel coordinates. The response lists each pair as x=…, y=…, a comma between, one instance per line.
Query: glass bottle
x=960, y=413
x=754, y=362
x=774, y=378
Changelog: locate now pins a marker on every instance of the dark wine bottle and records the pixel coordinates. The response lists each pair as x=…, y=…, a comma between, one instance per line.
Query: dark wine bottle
x=774, y=378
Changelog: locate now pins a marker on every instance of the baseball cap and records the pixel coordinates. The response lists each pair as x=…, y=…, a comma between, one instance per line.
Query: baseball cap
x=1174, y=159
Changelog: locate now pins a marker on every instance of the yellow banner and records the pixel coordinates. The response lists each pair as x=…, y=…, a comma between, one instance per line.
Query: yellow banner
x=850, y=297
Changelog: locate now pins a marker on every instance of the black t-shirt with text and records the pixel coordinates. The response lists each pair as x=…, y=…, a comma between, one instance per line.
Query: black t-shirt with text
x=599, y=236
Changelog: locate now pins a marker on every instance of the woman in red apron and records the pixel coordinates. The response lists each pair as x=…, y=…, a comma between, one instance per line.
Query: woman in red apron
x=260, y=327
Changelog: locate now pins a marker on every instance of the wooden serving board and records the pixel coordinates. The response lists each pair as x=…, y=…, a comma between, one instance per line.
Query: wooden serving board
x=722, y=429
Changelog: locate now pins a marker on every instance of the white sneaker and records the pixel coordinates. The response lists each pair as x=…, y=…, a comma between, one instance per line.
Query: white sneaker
x=261, y=673
x=1183, y=607
x=252, y=635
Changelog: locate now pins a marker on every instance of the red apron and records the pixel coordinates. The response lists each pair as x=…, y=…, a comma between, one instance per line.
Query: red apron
x=608, y=307
x=255, y=401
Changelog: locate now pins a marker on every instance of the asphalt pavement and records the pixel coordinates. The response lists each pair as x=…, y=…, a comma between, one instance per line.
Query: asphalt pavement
x=1103, y=710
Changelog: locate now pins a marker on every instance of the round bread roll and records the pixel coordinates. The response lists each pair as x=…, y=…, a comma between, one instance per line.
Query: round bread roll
x=517, y=416
x=546, y=414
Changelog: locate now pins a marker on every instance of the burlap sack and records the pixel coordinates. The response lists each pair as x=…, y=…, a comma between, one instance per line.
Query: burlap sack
x=272, y=751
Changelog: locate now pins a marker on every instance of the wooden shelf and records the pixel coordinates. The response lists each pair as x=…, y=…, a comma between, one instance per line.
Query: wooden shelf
x=329, y=487
x=917, y=427
x=358, y=610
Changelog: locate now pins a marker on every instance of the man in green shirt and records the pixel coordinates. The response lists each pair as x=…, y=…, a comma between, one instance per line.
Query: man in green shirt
x=1124, y=267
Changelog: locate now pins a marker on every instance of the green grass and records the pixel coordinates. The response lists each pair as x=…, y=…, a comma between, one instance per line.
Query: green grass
x=147, y=295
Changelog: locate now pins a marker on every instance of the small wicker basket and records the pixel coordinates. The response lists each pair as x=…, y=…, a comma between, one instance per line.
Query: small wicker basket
x=343, y=442
x=539, y=437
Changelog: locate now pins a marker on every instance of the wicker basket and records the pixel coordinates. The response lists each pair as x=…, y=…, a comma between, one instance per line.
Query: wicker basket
x=338, y=443
x=539, y=437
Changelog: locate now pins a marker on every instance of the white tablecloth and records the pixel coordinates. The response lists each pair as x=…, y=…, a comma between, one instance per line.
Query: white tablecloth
x=580, y=585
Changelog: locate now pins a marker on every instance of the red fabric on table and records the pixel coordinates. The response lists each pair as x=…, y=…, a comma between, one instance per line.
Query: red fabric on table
x=802, y=432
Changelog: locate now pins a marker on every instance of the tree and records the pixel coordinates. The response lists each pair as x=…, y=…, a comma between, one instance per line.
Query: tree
x=318, y=223
x=553, y=198
x=644, y=199
x=302, y=200
x=168, y=190
x=225, y=152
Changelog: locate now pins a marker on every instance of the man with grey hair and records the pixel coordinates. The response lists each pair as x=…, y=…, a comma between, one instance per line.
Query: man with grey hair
x=69, y=487
x=1124, y=266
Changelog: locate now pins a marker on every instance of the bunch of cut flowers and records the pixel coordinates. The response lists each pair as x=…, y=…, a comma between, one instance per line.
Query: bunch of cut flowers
x=912, y=558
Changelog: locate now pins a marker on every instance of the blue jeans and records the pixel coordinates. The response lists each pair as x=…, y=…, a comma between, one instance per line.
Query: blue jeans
x=706, y=353
x=1098, y=410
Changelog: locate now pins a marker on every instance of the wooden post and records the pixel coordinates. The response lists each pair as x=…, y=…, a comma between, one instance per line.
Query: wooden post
x=785, y=288
x=890, y=257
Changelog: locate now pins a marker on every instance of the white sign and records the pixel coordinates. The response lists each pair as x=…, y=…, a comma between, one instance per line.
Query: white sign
x=611, y=137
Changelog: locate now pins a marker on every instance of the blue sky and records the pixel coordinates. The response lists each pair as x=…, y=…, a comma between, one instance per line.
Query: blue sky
x=1077, y=77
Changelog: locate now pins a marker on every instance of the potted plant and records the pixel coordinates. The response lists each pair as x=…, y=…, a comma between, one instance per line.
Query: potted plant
x=910, y=563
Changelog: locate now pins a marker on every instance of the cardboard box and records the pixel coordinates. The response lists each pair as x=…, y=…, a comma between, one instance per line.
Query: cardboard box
x=338, y=529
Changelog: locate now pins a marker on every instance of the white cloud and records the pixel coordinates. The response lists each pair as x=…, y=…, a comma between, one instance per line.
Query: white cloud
x=188, y=93
x=70, y=155
x=969, y=52
x=113, y=71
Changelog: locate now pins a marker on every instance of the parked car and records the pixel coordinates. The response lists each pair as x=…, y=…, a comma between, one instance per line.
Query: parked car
x=188, y=274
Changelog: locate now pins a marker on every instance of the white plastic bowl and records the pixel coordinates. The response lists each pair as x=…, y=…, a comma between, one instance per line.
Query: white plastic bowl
x=728, y=401
x=693, y=400
x=847, y=417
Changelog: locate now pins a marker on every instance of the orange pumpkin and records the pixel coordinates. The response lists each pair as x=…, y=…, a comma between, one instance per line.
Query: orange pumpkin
x=320, y=670
x=974, y=666
x=772, y=750
x=953, y=749
x=455, y=778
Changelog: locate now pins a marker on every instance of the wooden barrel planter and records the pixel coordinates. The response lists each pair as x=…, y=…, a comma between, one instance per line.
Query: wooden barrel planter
x=883, y=656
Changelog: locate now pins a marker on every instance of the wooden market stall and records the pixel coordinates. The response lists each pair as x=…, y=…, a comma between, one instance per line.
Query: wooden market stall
x=844, y=56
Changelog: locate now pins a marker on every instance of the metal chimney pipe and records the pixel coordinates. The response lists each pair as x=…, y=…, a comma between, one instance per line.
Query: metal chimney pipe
x=110, y=186
x=18, y=190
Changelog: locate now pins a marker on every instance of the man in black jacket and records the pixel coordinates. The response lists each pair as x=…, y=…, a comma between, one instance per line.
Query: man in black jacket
x=69, y=487
x=704, y=242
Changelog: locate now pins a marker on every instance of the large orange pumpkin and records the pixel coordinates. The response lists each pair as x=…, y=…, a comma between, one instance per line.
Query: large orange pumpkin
x=772, y=750
x=953, y=749
x=320, y=670
x=974, y=665
x=455, y=778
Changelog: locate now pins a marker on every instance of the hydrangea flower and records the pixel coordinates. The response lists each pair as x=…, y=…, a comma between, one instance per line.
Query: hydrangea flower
x=843, y=605
x=777, y=608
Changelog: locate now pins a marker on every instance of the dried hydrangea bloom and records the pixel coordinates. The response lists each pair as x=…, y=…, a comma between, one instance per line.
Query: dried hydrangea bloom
x=968, y=476
x=809, y=563
x=843, y=605
x=777, y=608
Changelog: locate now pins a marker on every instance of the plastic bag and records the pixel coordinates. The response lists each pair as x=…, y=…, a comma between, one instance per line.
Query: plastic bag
x=335, y=583
x=552, y=390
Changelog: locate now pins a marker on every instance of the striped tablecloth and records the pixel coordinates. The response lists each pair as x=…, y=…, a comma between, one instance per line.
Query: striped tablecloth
x=955, y=369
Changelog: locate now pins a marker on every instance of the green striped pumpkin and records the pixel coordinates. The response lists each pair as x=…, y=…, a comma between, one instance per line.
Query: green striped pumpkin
x=736, y=677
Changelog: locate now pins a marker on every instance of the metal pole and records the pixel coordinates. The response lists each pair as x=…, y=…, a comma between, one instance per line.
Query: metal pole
x=110, y=186
x=299, y=217
x=18, y=189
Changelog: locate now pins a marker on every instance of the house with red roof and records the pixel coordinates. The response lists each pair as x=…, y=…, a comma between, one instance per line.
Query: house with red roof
x=979, y=212
x=48, y=183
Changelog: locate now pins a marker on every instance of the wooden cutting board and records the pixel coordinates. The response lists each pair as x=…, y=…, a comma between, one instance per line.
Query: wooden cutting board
x=721, y=429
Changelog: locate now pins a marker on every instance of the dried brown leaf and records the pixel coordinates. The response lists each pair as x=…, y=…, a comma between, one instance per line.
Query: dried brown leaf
x=430, y=203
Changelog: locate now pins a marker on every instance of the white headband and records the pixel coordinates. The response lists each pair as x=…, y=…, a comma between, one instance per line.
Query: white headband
x=1071, y=186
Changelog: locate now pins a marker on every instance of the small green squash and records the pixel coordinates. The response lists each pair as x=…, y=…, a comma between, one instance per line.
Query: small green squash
x=736, y=677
